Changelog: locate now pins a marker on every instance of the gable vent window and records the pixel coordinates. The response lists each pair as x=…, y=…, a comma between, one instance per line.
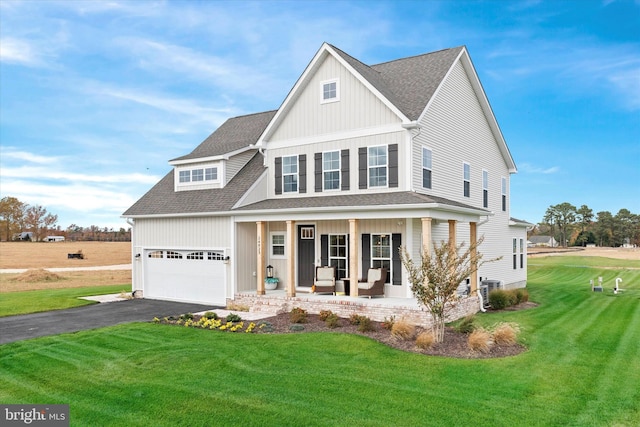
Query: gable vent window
x=330, y=91
x=466, y=180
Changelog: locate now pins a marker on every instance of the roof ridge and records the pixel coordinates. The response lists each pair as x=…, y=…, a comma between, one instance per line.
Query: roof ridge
x=417, y=56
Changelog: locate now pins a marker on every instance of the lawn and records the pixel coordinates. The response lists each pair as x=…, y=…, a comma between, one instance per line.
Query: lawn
x=13, y=303
x=581, y=369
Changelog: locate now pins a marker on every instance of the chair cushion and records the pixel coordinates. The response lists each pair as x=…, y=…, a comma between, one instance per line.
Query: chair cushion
x=324, y=274
x=373, y=275
x=365, y=285
x=325, y=283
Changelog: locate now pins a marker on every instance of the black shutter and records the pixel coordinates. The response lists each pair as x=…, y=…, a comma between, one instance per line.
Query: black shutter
x=362, y=167
x=366, y=255
x=396, y=242
x=302, y=173
x=324, y=249
x=278, y=174
x=393, y=165
x=344, y=172
x=318, y=171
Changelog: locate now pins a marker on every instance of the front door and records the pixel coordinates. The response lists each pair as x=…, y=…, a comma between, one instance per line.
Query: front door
x=306, y=254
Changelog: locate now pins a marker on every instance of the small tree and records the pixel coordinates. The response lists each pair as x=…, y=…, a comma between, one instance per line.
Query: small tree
x=434, y=282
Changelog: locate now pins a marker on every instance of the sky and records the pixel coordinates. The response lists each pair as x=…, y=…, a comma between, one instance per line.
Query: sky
x=97, y=96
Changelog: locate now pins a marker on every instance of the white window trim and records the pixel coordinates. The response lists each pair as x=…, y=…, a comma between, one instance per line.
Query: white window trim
x=390, y=259
x=213, y=183
x=271, y=245
x=329, y=100
x=485, y=187
x=427, y=168
x=297, y=174
x=339, y=170
x=503, y=190
x=346, y=257
x=386, y=166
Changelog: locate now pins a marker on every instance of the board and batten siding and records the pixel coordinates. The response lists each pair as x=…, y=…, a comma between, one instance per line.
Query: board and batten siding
x=235, y=163
x=357, y=108
x=351, y=144
x=184, y=233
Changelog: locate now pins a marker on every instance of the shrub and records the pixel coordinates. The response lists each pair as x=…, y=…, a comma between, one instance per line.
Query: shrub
x=522, y=295
x=324, y=314
x=210, y=315
x=512, y=297
x=480, y=340
x=332, y=321
x=425, y=340
x=388, y=323
x=298, y=315
x=187, y=316
x=237, y=307
x=296, y=328
x=266, y=326
x=467, y=325
x=366, y=325
x=505, y=333
x=403, y=329
x=232, y=317
x=498, y=299
x=355, y=319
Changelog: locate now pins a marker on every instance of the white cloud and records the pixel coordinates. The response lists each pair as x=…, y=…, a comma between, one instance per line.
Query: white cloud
x=18, y=51
x=48, y=173
x=13, y=153
x=528, y=168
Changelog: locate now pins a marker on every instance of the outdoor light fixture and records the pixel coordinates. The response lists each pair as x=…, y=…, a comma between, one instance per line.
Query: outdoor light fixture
x=226, y=259
x=269, y=271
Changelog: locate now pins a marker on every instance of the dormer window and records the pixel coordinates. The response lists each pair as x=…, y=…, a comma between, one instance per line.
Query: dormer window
x=329, y=91
x=198, y=177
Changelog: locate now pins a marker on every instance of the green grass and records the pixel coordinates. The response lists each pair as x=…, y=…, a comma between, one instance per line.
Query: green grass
x=13, y=303
x=581, y=369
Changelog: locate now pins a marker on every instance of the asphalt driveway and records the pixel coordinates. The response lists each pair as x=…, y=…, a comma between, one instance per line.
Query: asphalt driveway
x=26, y=326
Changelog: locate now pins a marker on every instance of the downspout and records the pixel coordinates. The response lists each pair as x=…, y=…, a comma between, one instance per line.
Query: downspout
x=131, y=222
x=481, y=302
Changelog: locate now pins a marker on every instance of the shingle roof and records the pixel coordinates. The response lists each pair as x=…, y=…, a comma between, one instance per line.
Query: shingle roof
x=353, y=200
x=234, y=134
x=408, y=83
x=163, y=200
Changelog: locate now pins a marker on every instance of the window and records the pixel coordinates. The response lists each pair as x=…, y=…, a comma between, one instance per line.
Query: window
x=215, y=256
x=211, y=174
x=515, y=253
x=466, y=179
x=330, y=91
x=195, y=255
x=197, y=175
x=338, y=255
x=521, y=253
x=331, y=170
x=426, y=167
x=485, y=189
x=378, y=166
x=155, y=254
x=307, y=233
x=174, y=255
x=290, y=174
x=277, y=245
x=504, y=194
x=381, y=251
x=185, y=176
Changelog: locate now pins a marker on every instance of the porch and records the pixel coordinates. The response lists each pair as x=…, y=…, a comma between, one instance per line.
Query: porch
x=377, y=309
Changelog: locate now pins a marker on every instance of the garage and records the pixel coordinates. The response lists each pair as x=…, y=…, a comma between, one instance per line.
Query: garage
x=185, y=275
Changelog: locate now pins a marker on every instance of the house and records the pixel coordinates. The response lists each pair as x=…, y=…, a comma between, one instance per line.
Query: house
x=543, y=241
x=358, y=161
x=25, y=236
x=54, y=239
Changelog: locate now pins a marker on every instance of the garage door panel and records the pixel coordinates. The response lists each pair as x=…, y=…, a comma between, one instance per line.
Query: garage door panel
x=195, y=276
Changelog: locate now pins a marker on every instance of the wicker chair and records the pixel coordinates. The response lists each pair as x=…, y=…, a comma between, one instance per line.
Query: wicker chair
x=325, y=280
x=374, y=284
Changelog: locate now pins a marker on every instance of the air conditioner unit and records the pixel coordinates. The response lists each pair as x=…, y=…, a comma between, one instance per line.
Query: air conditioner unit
x=492, y=284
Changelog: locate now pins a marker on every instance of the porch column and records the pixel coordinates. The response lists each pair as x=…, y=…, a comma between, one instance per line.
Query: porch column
x=289, y=249
x=452, y=236
x=354, y=256
x=426, y=235
x=262, y=255
x=473, y=238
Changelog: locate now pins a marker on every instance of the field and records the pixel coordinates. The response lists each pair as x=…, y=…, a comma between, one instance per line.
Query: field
x=46, y=255
x=580, y=368
x=54, y=254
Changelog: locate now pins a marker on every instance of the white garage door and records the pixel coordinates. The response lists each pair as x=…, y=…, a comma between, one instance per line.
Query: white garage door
x=185, y=275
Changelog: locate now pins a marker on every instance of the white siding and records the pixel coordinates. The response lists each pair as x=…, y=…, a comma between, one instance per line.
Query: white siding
x=184, y=233
x=246, y=256
x=235, y=163
x=357, y=108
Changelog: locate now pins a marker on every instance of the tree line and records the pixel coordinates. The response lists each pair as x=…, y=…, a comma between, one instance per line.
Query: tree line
x=20, y=221
x=571, y=226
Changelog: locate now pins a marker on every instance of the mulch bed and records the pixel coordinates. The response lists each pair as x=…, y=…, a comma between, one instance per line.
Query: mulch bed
x=454, y=344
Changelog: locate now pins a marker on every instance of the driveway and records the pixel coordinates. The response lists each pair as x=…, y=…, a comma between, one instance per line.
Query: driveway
x=26, y=326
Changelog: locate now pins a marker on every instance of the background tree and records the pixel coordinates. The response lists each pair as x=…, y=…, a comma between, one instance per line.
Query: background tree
x=435, y=281
x=12, y=216
x=604, y=228
x=584, y=215
x=563, y=216
x=38, y=220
